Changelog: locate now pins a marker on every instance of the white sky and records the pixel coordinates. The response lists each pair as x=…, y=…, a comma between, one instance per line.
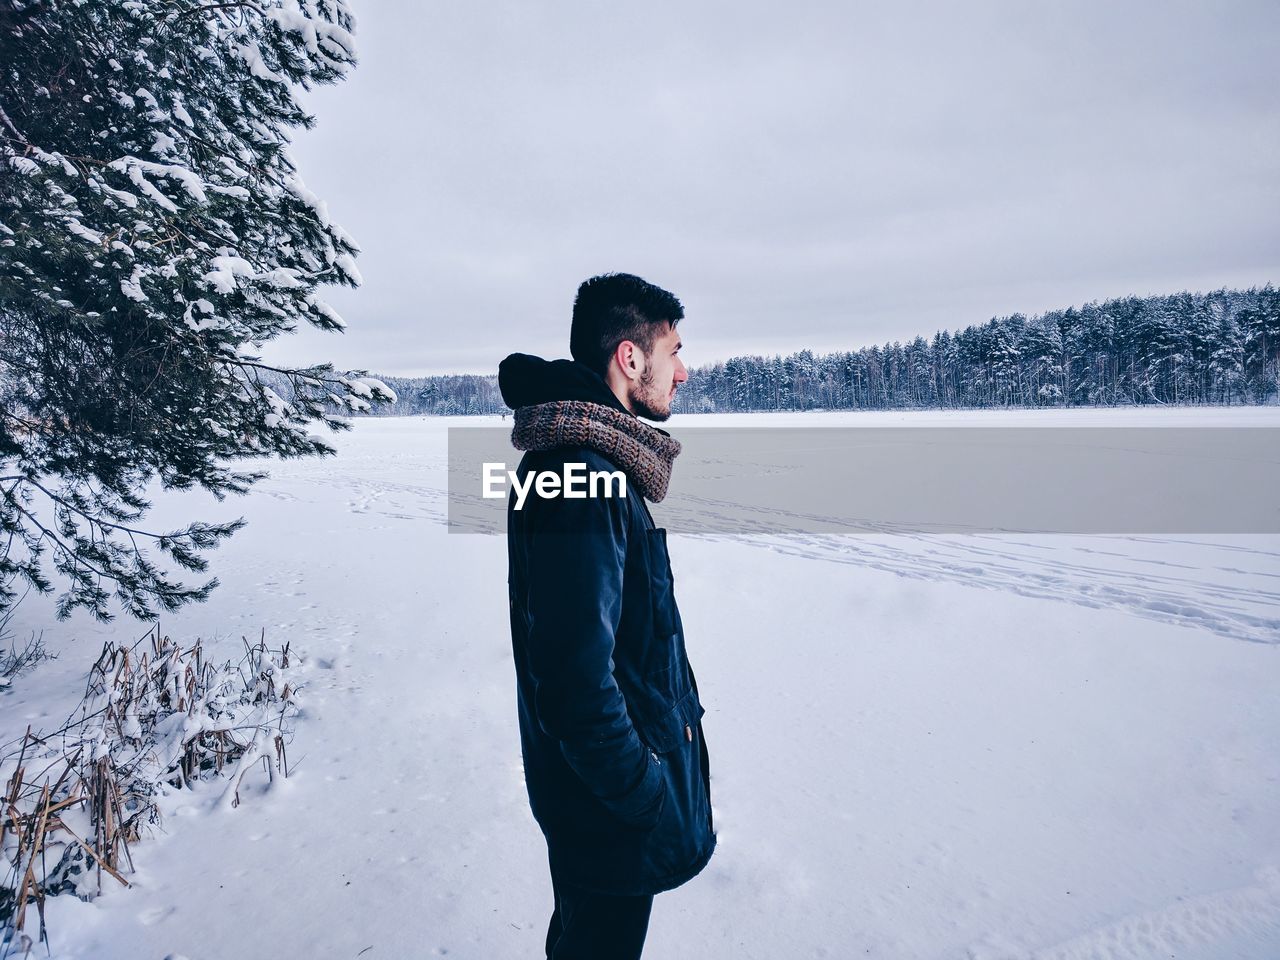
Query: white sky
x=822, y=175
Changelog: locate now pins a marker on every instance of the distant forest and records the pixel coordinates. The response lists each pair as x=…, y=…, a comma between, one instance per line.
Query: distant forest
x=1189, y=348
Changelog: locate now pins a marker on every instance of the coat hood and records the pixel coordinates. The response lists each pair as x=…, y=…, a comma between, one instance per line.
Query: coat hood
x=526, y=380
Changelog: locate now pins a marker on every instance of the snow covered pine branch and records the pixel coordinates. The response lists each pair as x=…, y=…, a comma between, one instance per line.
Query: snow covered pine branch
x=154, y=233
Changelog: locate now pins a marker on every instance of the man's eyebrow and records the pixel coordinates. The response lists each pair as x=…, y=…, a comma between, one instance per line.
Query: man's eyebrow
x=679, y=344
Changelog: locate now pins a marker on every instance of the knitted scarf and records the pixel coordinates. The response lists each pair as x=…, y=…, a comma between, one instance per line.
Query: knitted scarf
x=643, y=452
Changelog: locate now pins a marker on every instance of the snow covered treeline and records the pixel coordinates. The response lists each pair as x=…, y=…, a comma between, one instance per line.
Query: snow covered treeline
x=1189, y=348
x=445, y=396
x=154, y=233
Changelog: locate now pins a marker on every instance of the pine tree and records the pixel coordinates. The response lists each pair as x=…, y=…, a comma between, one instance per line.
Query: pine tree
x=1261, y=323
x=1005, y=359
x=1041, y=349
x=945, y=363
x=923, y=387
x=154, y=233
x=1096, y=344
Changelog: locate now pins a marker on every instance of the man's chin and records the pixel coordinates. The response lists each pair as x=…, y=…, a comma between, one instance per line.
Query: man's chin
x=649, y=413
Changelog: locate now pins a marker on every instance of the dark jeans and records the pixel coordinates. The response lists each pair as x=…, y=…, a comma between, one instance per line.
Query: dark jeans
x=596, y=926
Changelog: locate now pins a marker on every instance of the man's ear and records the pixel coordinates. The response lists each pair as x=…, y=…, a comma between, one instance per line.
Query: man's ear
x=629, y=359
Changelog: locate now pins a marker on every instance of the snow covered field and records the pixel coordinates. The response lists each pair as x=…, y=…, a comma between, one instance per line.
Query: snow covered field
x=984, y=748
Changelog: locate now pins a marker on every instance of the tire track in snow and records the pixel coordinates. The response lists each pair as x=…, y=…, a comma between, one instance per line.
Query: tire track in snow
x=1195, y=584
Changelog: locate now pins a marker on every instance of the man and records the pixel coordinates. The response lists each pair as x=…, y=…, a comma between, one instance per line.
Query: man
x=610, y=720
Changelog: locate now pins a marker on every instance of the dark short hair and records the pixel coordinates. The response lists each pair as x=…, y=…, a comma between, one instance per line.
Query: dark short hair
x=614, y=307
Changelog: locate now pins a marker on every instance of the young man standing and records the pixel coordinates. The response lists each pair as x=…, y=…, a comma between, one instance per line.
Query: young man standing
x=610, y=720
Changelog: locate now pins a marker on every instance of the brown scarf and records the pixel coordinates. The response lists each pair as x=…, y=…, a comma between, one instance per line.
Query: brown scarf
x=643, y=452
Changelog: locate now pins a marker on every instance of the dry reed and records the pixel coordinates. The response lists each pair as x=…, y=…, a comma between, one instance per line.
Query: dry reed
x=154, y=717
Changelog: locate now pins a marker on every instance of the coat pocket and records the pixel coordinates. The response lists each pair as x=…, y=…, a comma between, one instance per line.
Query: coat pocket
x=661, y=583
x=681, y=834
x=672, y=728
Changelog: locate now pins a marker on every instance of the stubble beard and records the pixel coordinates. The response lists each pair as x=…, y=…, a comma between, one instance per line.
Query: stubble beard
x=646, y=401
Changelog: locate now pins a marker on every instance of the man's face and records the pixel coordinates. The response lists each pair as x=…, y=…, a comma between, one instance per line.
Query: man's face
x=652, y=393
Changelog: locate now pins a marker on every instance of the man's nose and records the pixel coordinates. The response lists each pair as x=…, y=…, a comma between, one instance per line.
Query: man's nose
x=681, y=373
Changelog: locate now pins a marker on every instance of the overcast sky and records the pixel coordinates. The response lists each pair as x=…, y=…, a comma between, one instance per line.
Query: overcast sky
x=822, y=175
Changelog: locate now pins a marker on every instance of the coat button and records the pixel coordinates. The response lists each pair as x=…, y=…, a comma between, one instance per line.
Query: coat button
x=688, y=733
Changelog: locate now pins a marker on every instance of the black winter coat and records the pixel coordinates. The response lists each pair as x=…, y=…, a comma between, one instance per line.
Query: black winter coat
x=610, y=718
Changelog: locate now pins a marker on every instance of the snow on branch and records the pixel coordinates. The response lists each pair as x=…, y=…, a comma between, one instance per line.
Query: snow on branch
x=154, y=226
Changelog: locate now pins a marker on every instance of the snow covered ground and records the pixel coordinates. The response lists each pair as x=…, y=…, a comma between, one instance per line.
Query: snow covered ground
x=983, y=748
